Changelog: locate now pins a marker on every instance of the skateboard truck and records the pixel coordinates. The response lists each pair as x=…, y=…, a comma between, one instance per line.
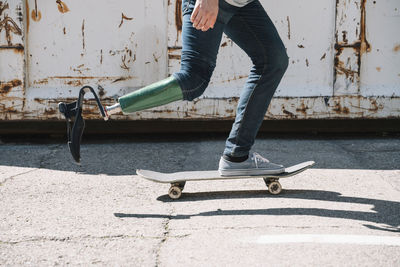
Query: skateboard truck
x=73, y=115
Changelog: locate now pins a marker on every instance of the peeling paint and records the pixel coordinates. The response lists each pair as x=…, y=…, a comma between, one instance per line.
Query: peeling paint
x=5, y=87
x=347, y=62
x=8, y=24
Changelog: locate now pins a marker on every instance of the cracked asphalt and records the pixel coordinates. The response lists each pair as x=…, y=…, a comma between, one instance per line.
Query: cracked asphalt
x=343, y=212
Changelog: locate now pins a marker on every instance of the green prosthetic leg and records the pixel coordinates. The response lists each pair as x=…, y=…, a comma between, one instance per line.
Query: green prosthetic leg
x=153, y=95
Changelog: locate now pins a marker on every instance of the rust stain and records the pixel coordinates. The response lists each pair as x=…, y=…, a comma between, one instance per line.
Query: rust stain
x=290, y=114
x=123, y=17
x=80, y=69
x=375, y=107
x=5, y=87
x=36, y=14
x=41, y=81
x=302, y=109
x=174, y=48
x=64, y=31
x=177, y=57
x=341, y=68
x=178, y=17
x=127, y=58
x=396, y=48
x=344, y=37
x=83, y=34
x=124, y=66
x=62, y=7
x=17, y=49
x=340, y=110
x=356, y=106
x=360, y=47
x=155, y=57
x=78, y=80
x=121, y=79
x=75, y=83
x=8, y=24
x=27, y=15
x=224, y=44
x=3, y=6
x=378, y=69
x=365, y=46
x=234, y=78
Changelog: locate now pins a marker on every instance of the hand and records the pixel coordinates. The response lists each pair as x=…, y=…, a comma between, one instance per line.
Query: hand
x=204, y=14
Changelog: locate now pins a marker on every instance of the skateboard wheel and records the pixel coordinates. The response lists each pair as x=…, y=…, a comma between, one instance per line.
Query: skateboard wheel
x=175, y=192
x=275, y=188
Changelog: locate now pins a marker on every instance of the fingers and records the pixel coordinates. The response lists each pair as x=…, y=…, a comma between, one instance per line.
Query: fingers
x=202, y=23
x=203, y=20
x=193, y=17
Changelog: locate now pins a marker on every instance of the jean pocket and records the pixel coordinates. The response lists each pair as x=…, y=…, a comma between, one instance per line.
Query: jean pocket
x=187, y=6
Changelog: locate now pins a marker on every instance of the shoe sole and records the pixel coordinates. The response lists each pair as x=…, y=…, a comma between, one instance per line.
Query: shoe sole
x=249, y=172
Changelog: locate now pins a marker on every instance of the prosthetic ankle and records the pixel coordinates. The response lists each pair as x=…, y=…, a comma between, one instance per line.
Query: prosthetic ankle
x=153, y=95
x=75, y=123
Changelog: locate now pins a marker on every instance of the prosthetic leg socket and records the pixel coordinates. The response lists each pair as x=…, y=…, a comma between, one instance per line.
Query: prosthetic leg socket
x=154, y=95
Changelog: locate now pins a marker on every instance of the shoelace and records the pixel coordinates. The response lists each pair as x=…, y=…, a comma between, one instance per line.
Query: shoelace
x=258, y=158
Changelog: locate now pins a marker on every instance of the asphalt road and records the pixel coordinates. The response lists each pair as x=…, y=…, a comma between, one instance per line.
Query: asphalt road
x=343, y=212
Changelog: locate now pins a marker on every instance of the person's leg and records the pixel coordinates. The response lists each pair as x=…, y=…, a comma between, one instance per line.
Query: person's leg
x=199, y=50
x=255, y=33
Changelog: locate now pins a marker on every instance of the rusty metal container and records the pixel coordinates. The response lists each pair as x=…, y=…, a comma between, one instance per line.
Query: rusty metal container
x=344, y=58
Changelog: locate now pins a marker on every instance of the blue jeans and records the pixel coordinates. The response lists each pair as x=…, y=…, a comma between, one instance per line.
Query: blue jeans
x=253, y=31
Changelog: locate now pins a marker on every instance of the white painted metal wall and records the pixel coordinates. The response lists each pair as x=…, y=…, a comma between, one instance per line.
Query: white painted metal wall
x=344, y=58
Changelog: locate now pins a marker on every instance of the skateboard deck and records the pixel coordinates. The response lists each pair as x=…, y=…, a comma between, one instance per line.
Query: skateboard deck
x=178, y=179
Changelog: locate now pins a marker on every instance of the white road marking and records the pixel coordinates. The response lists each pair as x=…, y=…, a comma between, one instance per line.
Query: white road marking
x=331, y=239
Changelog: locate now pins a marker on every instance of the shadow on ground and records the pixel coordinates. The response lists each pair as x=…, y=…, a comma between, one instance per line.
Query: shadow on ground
x=383, y=212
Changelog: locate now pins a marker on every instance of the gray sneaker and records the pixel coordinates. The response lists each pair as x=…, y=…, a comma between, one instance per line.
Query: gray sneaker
x=254, y=165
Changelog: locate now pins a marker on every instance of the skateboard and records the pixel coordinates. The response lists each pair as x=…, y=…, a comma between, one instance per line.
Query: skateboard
x=179, y=179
